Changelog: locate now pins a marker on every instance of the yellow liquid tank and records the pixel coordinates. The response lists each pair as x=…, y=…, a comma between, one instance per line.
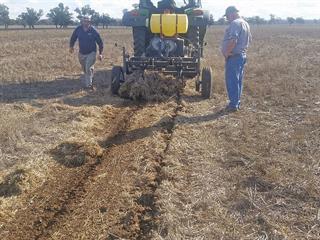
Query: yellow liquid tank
x=169, y=25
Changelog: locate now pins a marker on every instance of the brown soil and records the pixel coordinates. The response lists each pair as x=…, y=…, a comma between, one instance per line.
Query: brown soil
x=105, y=190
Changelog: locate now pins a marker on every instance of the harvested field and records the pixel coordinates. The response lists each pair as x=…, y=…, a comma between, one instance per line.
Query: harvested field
x=89, y=165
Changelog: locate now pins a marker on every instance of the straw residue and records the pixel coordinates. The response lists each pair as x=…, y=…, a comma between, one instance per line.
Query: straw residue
x=150, y=86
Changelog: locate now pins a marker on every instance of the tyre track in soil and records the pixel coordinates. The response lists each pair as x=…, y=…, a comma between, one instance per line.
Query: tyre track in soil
x=58, y=209
x=150, y=217
x=49, y=204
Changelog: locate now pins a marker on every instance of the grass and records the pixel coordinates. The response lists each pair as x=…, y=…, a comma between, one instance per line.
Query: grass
x=29, y=56
x=35, y=67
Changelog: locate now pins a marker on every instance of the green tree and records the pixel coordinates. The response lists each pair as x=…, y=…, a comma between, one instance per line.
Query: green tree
x=256, y=20
x=300, y=20
x=4, y=16
x=84, y=11
x=60, y=16
x=291, y=20
x=222, y=21
x=20, y=20
x=31, y=17
x=272, y=19
x=105, y=20
x=260, y=20
x=96, y=19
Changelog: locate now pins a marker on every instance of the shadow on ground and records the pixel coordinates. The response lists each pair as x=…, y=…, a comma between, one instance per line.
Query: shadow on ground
x=182, y=120
x=10, y=186
x=165, y=124
x=75, y=154
x=61, y=88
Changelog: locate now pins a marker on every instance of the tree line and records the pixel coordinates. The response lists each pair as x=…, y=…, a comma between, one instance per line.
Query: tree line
x=256, y=20
x=60, y=16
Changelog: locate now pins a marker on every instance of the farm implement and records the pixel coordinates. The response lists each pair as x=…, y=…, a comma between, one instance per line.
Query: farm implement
x=169, y=40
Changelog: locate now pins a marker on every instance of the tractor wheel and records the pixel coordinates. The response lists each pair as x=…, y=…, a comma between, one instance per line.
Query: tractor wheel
x=117, y=78
x=206, y=83
x=139, y=40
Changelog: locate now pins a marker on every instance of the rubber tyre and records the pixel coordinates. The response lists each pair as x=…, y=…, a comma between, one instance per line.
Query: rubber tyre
x=206, y=83
x=117, y=78
x=139, y=40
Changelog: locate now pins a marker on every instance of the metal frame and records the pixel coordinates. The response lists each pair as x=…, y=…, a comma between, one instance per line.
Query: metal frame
x=178, y=66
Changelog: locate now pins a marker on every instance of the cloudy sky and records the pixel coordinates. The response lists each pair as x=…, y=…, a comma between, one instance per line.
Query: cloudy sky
x=281, y=8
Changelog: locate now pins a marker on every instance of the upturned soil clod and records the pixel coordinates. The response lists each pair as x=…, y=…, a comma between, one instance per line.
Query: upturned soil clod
x=151, y=86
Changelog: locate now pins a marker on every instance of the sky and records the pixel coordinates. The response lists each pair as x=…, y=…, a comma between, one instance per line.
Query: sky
x=308, y=9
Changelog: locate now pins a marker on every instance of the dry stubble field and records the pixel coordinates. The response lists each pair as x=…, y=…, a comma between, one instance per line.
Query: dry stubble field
x=78, y=165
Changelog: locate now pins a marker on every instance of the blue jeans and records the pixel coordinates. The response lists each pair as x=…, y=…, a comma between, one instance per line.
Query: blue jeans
x=234, y=70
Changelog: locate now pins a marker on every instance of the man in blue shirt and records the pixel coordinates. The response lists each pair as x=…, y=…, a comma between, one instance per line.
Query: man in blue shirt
x=234, y=47
x=88, y=38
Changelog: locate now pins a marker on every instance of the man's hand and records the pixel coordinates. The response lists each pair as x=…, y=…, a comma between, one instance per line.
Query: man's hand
x=227, y=55
x=100, y=57
x=230, y=46
x=71, y=50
